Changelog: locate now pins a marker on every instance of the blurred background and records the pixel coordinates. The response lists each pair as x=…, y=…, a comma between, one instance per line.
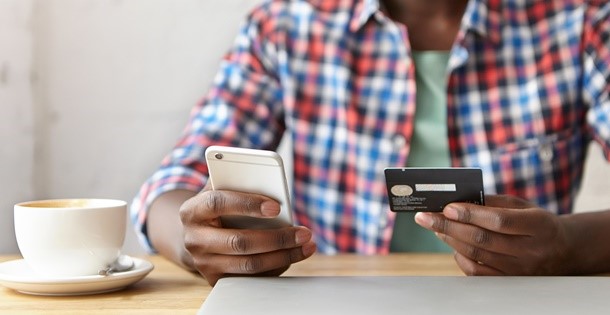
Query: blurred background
x=93, y=94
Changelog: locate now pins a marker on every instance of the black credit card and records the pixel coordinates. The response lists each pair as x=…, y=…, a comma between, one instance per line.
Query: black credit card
x=431, y=189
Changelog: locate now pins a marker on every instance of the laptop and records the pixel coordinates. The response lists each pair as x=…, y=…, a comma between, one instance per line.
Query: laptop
x=408, y=295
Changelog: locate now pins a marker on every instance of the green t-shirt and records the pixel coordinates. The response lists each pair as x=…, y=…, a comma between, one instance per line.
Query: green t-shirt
x=429, y=145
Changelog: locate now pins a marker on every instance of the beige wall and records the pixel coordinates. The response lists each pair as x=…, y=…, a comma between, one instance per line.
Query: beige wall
x=94, y=92
x=16, y=121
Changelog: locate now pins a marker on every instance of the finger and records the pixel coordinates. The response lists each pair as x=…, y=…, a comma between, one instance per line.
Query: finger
x=507, y=201
x=501, y=220
x=214, y=267
x=474, y=268
x=211, y=204
x=472, y=236
x=498, y=261
x=243, y=241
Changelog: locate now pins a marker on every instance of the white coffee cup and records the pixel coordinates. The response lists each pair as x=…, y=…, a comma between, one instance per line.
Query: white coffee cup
x=63, y=238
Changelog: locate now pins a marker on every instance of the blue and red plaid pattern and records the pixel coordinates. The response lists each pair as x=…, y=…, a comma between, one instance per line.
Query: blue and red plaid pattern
x=528, y=89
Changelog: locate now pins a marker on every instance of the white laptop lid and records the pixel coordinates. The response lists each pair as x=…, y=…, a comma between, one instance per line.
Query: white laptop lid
x=409, y=295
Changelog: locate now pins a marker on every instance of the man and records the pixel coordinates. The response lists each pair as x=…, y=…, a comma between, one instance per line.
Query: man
x=355, y=84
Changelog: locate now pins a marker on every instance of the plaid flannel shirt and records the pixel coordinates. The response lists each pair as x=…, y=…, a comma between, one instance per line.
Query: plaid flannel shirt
x=528, y=88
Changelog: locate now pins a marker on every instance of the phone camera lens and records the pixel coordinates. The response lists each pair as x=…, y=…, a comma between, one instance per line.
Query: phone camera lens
x=218, y=156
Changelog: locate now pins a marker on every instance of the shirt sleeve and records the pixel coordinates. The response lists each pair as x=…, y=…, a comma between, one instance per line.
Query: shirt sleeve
x=242, y=108
x=596, y=72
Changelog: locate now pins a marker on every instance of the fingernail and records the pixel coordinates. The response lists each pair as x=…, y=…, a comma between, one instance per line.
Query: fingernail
x=308, y=249
x=451, y=213
x=270, y=208
x=424, y=219
x=302, y=236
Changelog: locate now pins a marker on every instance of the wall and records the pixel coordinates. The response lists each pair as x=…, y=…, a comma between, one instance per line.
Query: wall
x=16, y=121
x=595, y=192
x=93, y=93
x=113, y=82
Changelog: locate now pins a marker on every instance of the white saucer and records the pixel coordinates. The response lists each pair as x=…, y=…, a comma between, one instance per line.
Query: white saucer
x=18, y=275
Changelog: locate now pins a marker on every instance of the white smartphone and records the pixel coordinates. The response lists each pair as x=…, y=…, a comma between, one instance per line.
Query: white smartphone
x=253, y=171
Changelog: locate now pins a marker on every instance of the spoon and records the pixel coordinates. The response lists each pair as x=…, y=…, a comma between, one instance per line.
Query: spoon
x=122, y=263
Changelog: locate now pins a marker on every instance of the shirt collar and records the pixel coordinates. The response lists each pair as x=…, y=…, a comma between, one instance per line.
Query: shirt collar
x=363, y=11
x=481, y=17
x=359, y=11
x=484, y=18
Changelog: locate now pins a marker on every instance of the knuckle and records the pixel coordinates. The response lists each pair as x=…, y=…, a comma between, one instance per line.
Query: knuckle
x=481, y=237
x=473, y=253
x=502, y=222
x=249, y=205
x=465, y=216
x=283, y=240
x=251, y=264
x=238, y=243
x=215, y=202
x=444, y=226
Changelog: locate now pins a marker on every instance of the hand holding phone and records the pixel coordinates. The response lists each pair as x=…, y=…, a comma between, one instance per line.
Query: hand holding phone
x=250, y=171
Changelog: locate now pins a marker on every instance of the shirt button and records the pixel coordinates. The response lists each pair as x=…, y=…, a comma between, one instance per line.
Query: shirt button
x=399, y=141
x=546, y=153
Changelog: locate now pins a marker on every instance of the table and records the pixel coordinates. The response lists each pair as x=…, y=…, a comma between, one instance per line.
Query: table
x=168, y=289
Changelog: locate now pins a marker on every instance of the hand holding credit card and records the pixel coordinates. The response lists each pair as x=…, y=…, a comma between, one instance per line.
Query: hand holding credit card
x=431, y=189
